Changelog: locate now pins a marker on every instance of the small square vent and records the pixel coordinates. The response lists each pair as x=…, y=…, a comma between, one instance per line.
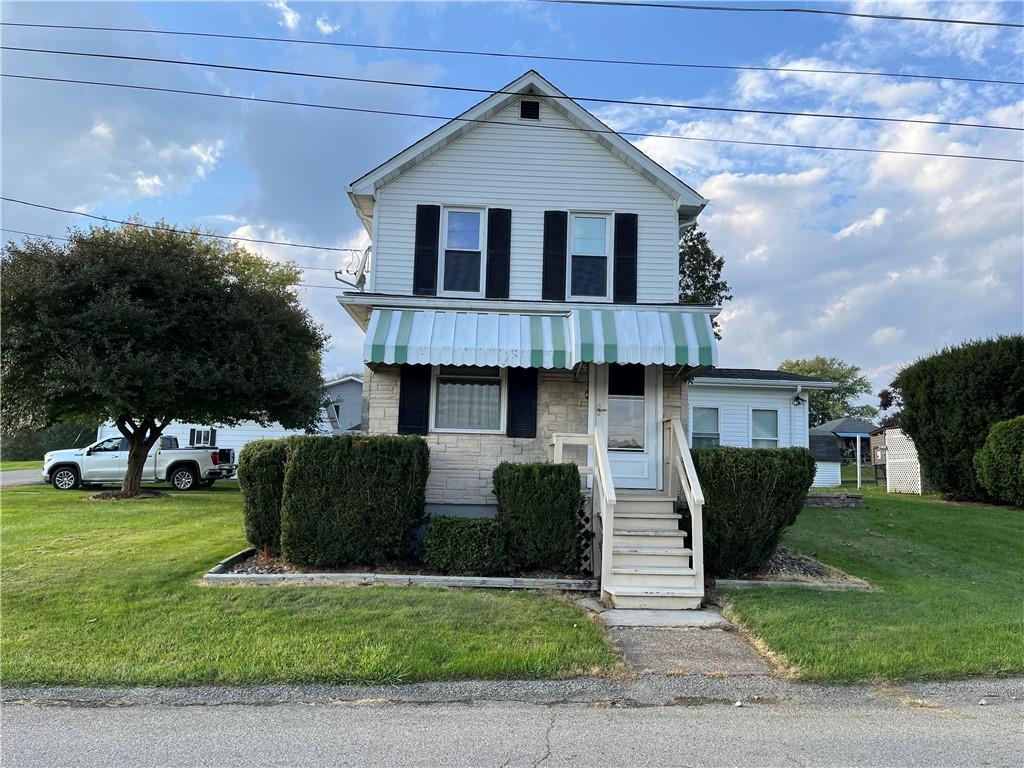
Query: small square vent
x=529, y=110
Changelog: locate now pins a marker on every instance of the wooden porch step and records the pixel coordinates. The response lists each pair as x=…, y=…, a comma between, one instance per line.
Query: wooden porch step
x=656, y=597
x=653, y=570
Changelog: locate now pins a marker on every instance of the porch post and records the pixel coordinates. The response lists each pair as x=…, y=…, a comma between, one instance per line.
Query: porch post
x=858, y=461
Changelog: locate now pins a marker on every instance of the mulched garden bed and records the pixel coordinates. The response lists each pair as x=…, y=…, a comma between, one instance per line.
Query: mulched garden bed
x=260, y=564
x=119, y=496
x=786, y=565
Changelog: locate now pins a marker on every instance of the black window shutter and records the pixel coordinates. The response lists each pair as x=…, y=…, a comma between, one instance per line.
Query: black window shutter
x=414, y=400
x=192, y=437
x=499, y=252
x=213, y=437
x=428, y=232
x=522, y=402
x=556, y=230
x=624, y=277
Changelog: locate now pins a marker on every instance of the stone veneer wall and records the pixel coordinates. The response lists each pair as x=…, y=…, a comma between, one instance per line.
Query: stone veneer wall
x=461, y=465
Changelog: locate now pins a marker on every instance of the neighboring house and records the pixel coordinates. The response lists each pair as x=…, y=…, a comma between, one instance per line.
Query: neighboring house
x=753, y=408
x=848, y=434
x=343, y=415
x=522, y=305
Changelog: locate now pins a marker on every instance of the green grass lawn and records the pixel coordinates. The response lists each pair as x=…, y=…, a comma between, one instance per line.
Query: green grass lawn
x=107, y=593
x=6, y=465
x=951, y=602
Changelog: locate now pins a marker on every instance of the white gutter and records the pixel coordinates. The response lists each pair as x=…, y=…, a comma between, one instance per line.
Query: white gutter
x=705, y=381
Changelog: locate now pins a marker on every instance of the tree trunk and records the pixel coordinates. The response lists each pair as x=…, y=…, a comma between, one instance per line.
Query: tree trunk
x=141, y=438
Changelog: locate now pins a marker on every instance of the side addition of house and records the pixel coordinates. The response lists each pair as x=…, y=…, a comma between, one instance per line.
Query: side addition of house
x=521, y=304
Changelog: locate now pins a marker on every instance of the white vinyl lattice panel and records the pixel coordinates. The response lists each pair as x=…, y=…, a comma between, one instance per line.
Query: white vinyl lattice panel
x=902, y=468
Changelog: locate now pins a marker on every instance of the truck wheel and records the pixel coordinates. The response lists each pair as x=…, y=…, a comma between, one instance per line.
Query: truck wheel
x=65, y=479
x=185, y=478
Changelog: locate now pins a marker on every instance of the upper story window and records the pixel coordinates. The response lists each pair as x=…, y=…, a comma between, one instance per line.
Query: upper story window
x=589, y=277
x=704, y=431
x=462, y=264
x=764, y=428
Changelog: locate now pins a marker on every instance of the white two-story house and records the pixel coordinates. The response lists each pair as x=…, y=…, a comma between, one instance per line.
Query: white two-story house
x=521, y=304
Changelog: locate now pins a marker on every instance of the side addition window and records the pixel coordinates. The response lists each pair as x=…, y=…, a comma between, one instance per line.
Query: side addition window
x=462, y=252
x=764, y=428
x=589, y=273
x=705, y=428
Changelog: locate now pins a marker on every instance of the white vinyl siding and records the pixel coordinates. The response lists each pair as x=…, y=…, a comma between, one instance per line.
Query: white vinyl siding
x=734, y=406
x=528, y=170
x=826, y=474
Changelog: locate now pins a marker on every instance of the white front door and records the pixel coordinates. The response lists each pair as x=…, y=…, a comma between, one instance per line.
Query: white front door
x=626, y=407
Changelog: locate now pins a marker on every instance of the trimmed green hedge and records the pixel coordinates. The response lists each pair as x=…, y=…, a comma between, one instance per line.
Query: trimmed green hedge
x=261, y=480
x=950, y=402
x=751, y=496
x=465, y=546
x=538, y=505
x=353, y=499
x=1000, y=462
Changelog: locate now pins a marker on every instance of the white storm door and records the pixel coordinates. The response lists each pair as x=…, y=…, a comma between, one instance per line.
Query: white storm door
x=627, y=409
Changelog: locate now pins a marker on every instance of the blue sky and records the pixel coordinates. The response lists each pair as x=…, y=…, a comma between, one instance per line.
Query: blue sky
x=875, y=259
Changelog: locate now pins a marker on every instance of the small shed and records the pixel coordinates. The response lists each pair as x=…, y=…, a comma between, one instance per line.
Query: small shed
x=827, y=461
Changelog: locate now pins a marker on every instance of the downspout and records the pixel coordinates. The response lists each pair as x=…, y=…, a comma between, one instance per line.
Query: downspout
x=792, y=415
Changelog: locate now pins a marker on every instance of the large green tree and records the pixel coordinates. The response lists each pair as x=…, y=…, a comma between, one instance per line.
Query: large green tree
x=827, y=404
x=141, y=326
x=700, y=272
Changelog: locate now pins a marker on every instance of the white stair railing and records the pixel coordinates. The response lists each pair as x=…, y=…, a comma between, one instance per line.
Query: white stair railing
x=604, y=499
x=680, y=472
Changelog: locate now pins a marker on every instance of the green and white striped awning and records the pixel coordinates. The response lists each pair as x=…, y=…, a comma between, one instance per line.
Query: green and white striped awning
x=451, y=337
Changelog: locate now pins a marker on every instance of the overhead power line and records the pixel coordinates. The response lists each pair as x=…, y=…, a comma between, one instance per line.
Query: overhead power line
x=531, y=126
x=510, y=55
x=489, y=91
x=65, y=239
x=771, y=9
x=174, y=229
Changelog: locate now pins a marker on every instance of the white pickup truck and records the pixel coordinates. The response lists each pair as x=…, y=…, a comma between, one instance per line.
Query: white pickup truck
x=106, y=461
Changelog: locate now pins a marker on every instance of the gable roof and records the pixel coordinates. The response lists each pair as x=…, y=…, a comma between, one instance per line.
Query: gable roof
x=845, y=426
x=343, y=379
x=531, y=83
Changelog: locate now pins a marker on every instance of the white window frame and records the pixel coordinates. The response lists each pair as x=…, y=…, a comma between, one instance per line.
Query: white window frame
x=435, y=376
x=608, y=248
x=778, y=427
x=443, y=248
x=204, y=437
x=718, y=421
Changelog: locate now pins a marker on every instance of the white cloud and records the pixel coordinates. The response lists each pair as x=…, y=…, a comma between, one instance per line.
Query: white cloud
x=101, y=130
x=874, y=221
x=148, y=186
x=887, y=335
x=289, y=18
x=324, y=25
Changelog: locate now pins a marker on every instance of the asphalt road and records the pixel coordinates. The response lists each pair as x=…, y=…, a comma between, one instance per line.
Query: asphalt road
x=822, y=727
x=21, y=477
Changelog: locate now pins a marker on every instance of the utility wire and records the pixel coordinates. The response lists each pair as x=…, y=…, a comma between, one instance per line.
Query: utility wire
x=65, y=239
x=489, y=91
x=509, y=55
x=174, y=229
x=460, y=118
x=769, y=9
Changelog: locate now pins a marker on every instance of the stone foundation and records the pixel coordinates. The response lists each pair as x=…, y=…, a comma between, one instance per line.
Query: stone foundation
x=835, y=500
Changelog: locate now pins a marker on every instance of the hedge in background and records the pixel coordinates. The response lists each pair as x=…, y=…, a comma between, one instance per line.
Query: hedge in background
x=1000, y=462
x=950, y=401
x=353, y=499
x=751, y=496
x=538, y=505
x=465, y=546
x=261, y=479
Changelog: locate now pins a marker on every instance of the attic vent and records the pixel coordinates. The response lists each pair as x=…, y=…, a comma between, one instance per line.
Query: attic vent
x=529, y=110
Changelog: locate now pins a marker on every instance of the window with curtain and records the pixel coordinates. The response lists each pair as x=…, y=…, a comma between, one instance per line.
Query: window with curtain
x=468, y=399
x=463, y=249
x=588, y=263
x=764, y=429
x=705, y=428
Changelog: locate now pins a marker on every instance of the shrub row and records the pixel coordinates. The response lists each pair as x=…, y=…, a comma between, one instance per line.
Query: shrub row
x=1000, y=462
x=751, y=496
x=465, y=546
